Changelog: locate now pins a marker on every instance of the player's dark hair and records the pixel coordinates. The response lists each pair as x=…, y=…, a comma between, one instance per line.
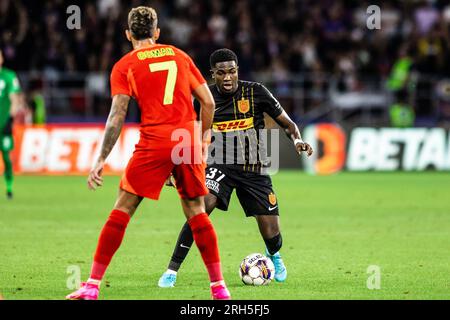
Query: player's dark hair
x=221, y=55
x=142, y=22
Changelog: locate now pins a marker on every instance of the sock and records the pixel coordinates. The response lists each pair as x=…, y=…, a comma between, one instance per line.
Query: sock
x=213, y=284
x=9, y=184
x=171, y=271
x=184, y=242
x=206, y=240
x=93, y=281
x=274, y=244
x=8, y=171
x=109, y=241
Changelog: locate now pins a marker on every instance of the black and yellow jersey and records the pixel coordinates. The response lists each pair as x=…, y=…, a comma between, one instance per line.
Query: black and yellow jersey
x=238, y=119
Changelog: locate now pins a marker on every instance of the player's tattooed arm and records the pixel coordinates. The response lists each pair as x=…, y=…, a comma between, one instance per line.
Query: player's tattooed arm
x=292, y=131
x=114, y=124
x=113, y=128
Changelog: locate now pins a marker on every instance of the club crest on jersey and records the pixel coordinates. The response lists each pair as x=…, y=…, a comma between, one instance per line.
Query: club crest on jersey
x=244, y=105
x=272, y=198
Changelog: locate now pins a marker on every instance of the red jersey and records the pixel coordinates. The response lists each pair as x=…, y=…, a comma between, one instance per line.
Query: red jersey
x=161, y=78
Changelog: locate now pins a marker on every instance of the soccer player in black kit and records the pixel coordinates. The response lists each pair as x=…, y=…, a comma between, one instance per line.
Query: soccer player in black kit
x=240, y=107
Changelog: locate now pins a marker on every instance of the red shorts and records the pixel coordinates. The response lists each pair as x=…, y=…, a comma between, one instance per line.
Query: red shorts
x=147, y=171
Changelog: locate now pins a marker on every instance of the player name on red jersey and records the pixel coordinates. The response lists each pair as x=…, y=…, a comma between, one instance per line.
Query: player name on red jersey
x=155, y=53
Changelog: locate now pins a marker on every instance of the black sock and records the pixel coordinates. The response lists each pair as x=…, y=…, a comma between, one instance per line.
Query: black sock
x=184, y=243
x=274, y=244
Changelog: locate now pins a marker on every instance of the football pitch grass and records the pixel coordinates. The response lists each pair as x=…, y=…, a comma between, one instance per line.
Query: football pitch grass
x=334, y=228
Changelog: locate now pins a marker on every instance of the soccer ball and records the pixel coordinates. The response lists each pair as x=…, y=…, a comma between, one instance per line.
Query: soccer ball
x=257, y=270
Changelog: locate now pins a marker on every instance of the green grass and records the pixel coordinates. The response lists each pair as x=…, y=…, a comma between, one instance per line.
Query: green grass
x=333, y=227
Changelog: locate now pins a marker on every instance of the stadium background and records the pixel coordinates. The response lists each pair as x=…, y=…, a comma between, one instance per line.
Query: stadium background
x=318, y=57
x=367, y=99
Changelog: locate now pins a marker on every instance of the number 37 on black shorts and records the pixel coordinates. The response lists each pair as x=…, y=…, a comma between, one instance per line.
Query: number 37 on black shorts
x=254, y=190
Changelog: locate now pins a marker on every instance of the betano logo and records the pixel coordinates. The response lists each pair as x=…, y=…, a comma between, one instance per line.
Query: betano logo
x=70, y=149
x=233, y=125
x=331, y=155
x=377, y=149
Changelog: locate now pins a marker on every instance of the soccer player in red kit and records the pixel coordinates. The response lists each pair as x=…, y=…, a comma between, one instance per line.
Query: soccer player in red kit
x=162, y=79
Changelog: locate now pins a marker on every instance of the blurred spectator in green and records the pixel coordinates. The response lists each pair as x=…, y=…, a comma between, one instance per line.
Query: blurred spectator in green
x=37, y=102
x=401, y=112
x=401, y=115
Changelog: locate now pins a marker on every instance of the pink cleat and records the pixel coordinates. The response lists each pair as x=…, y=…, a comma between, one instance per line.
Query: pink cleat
x=87, y=291
x=220, y=292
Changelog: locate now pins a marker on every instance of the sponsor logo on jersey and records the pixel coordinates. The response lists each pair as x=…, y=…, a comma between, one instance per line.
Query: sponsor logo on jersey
x=233, y=125
x=213, y=185
x=244, y=105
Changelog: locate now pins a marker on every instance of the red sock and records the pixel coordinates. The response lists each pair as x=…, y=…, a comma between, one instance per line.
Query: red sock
x=109, y=241
x=206, y=240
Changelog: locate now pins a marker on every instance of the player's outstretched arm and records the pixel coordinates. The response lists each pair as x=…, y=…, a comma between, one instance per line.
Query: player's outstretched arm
x=113, y=128
x=293, y=133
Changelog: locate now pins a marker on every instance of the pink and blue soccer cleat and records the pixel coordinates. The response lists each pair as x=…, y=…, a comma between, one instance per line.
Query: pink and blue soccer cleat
x=220, y=292
x=87, y=291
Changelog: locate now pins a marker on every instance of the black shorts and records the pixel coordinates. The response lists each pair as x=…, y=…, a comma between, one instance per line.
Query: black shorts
x=7, y=129
x=6, y=138
x=254, y=190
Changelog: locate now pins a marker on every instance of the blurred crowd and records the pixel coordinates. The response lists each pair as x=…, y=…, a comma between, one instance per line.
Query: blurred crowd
x=276, y=38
